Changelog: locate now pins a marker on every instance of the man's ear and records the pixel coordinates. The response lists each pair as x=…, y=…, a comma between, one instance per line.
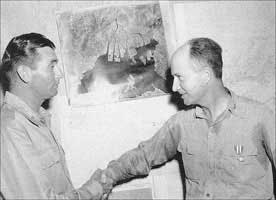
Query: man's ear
x=24, y=73
x=207, y=76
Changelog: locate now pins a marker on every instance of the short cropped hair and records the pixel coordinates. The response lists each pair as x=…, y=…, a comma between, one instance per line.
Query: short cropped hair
x=21, y=49
x=207, y=51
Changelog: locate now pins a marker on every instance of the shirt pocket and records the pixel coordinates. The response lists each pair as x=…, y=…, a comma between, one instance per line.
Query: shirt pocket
x=53, y=174
x=241, y=168
x=50, y=159
x=192, y=160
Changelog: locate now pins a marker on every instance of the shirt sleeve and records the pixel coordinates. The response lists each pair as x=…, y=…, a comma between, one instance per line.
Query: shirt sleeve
x=22, y=177
x=155, y=151
x=269, y=134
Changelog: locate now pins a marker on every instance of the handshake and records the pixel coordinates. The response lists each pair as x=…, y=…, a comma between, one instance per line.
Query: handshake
x=98, y=187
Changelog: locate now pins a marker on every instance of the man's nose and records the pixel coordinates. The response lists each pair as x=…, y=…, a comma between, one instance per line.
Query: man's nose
x=58, y=73
x=175, y=86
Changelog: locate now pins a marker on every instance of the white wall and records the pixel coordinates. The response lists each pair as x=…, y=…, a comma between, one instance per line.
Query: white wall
x=94, y=135
x=246, y=32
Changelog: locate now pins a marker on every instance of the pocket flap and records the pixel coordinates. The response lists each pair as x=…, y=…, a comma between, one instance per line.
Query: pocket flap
x=193, y=148
x=49, y=158
x=243, y=150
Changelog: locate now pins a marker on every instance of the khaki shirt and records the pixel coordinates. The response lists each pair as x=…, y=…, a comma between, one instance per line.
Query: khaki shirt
x=32, y=161
x=229, y=158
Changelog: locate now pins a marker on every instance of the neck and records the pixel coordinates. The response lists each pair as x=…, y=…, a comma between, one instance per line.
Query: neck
x=216, y=100
x=28, y=97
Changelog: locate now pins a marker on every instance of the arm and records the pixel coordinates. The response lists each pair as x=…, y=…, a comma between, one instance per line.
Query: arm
x=155, y=151
x=22, y=176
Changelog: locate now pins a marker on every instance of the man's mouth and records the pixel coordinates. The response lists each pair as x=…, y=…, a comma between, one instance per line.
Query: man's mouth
x=183, y=94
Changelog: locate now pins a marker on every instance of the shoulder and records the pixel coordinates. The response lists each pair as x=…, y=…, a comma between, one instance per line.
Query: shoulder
x=7, y=115
x=250, y=106
x=11, y=120
x=182, y=117
x=253, y=110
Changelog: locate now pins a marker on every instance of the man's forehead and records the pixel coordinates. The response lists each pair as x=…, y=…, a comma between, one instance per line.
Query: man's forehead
x=180, y=55
x=181, y=61
x=183, y=51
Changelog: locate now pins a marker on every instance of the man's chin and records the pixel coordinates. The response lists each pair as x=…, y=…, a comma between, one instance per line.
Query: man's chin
x=185, y=101
x=188, y=102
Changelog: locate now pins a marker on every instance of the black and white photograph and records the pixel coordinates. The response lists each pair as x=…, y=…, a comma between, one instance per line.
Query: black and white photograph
x=137, y=100
x=114, y=53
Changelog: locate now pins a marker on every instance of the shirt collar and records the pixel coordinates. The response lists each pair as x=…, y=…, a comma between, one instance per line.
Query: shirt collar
x=41, y=118
x=199, y=113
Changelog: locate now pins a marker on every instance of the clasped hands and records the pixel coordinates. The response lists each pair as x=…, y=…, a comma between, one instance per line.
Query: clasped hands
x=104, y=178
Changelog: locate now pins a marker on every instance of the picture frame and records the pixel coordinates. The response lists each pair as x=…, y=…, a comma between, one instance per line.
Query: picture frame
x=114, y=53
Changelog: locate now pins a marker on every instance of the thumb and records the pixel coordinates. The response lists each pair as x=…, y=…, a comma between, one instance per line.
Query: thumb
x=104, y=178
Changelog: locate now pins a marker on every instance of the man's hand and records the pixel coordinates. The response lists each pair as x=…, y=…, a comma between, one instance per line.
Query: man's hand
x=92, y=189
x=107, y=182
x=96, y=176
x=102, y=178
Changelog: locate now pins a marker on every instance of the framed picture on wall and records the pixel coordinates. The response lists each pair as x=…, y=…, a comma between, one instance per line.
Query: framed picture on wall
x=113, y=53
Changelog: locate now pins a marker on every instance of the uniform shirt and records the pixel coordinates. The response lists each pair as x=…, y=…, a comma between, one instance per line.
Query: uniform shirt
x=228, y=158
x=32, y=161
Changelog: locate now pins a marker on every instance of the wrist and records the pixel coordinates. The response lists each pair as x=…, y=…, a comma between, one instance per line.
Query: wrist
x=91, y=190
x=111, y=175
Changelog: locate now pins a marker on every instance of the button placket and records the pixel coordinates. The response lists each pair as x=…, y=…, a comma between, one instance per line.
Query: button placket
x=211, y=159
x=208, y=190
